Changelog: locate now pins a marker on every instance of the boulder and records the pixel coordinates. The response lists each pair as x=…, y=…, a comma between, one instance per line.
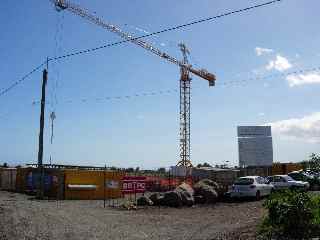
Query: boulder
x=144, y=201
x=186, y=192
x=129, y=205
x=185, y=188
x=157, y=198
x=172, y=199
x=187, y=199
x=207, y=189
x=208, y=182
x=198, y=199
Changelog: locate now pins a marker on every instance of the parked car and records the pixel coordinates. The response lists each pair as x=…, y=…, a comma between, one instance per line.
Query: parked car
x=250, y=186
x=287, y=182
x=312, y=173
x=312, y=179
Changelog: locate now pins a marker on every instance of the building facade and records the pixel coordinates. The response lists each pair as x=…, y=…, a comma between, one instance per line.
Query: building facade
x=255, y=146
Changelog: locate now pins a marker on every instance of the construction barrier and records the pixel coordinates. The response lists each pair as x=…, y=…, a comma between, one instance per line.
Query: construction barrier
x=28, y=181
x=285, y=168
x=92, y=185
x=21, y=179
x=8, y=179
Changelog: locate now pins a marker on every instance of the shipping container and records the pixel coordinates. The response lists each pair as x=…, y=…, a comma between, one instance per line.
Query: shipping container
x=21, y=179
x=53, y=182
x=285, y=168
x=8, y=179
x=180, y=171
x=89, y=184
x=225, y=177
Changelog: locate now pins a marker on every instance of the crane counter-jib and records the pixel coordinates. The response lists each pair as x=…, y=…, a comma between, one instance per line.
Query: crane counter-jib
x=64, y=4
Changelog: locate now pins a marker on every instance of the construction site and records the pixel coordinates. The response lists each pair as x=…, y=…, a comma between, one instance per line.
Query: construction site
x=81, y=183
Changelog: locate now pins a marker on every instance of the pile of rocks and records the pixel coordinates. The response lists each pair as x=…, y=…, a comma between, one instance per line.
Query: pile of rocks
x=204, y=191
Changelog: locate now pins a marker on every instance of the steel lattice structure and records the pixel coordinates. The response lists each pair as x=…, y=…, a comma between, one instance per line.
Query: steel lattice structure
x=185, y=97
x=185, y=68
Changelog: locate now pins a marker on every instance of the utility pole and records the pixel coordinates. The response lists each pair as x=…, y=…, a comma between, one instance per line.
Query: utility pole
x=40, y=153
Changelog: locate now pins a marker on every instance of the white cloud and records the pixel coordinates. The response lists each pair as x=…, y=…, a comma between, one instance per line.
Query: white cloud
x=301, y=79
x=306, y=128
x=280, y=63
x=262, y=51
x=261, y=114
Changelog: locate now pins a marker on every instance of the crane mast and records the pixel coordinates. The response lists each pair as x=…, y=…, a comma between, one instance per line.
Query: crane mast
x=185, y=95
x=185, y=69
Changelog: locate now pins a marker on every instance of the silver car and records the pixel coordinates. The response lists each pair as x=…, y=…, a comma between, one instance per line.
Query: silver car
x=287, y=182
x=251, y=186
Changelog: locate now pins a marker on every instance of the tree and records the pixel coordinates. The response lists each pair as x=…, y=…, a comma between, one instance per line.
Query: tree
x=203, y=165
x=313, y=162
x=5, y=165
x=161, y=170
x=130, y=170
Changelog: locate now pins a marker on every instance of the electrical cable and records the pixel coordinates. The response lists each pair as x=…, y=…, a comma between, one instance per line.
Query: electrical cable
x=4, y=91
x=165, y=30
x=175, y=90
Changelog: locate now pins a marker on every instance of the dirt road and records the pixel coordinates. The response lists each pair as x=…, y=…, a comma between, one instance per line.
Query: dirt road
x=21, y=218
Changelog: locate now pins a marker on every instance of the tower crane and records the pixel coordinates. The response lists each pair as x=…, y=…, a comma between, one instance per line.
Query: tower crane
x=185, y=69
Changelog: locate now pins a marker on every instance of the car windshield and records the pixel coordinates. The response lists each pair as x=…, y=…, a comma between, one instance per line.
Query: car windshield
x=288, y=178
x=244, y=181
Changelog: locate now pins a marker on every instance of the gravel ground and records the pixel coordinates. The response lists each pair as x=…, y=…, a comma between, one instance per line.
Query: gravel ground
x=22, y=218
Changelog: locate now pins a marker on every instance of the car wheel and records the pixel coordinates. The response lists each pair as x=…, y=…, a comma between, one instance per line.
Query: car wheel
x=315, y=187
x=258, y=195
x=295, y=188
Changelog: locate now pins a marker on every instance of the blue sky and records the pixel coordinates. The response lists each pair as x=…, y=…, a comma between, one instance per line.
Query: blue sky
x=143, y=131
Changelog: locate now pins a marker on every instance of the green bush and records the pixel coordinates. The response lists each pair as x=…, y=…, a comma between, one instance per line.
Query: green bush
x=291, y=215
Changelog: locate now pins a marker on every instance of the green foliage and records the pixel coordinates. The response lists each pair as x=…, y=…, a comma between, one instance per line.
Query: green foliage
x=161, y=170
x=5, y=165
x=316, y=212
x=314, y=161
x=203, y=165
x=291, y=215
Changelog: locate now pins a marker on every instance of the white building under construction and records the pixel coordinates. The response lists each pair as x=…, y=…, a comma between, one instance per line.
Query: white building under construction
x=255, y=146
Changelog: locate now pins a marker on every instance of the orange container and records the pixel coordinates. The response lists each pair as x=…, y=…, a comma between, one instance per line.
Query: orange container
x=285, y=168
x=89, y=184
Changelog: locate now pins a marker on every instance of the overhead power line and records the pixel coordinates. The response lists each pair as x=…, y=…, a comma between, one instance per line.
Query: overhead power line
x=269, y=76
x=111, y=98
x=176, y=90
x=165, y=30
x=4, y=91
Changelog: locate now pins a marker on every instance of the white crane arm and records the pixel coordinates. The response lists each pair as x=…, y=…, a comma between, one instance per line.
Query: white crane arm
x=78, y=10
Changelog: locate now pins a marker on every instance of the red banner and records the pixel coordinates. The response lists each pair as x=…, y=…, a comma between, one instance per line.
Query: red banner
x=133, y=185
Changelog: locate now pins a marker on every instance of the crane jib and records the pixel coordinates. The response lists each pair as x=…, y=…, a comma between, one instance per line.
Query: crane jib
x=64, y=4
